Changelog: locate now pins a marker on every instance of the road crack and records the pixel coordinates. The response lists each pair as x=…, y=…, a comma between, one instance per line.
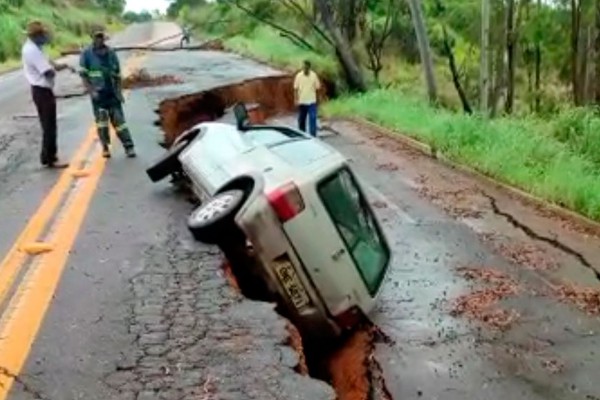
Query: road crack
x=536, y=236
x=26, y=387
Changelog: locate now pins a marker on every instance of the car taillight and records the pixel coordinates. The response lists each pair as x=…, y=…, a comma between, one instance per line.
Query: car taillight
x=286, y=201
x=349, y=318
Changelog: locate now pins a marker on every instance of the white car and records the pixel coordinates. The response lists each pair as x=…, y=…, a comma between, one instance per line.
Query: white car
x=294, y=201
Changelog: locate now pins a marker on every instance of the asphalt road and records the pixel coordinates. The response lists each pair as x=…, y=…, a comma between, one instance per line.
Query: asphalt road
x=125, y=305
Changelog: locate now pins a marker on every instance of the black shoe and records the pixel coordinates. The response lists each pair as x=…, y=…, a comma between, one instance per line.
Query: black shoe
x=130, y=152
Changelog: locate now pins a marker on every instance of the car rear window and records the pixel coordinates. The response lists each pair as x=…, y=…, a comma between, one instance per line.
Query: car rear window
x=357, y=226
x=271, y=137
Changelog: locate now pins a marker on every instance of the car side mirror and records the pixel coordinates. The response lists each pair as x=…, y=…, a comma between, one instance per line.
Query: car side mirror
x=241, y=116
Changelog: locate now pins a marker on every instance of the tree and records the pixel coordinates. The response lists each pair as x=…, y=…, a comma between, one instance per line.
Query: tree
x=416, y=12
x=115, y=7
x=484, y=85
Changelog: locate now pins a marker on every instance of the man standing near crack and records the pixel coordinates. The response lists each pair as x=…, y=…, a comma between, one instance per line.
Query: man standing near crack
x=306, y=87
x=101, y=74
x=40, y=72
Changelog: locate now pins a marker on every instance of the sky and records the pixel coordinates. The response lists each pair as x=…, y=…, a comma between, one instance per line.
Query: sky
x=150, y=5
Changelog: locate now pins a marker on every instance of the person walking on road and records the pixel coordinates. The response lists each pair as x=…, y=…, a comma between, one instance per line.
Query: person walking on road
x=306, y=87
x=40, y=72
x=101, y=74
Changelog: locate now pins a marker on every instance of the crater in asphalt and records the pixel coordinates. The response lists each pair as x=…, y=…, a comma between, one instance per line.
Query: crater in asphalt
x=274, y=95
x=348, y=364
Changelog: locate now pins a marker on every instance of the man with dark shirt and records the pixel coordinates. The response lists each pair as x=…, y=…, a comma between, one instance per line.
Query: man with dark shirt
x=101, y=73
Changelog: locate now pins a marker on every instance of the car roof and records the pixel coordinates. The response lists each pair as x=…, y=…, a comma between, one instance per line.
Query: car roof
x=280, y=152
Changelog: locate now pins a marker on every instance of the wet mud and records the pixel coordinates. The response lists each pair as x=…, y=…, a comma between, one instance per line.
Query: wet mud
x=142, y=79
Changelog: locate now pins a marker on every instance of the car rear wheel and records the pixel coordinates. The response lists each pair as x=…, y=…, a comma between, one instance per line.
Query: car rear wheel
x=213, y=222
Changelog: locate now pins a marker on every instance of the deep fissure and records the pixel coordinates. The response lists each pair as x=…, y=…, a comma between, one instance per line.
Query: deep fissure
x=348, y=363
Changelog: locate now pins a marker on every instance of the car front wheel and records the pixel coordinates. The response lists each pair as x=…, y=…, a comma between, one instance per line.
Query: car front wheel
x=213, y=222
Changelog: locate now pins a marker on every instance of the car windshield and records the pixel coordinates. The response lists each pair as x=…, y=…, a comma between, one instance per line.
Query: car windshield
x=356, y=224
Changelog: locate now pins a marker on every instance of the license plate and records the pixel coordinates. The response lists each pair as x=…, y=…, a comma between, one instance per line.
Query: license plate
x=290, y=281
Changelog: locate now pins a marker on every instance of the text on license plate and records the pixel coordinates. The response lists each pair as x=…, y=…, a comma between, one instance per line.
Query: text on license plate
x=290, y=281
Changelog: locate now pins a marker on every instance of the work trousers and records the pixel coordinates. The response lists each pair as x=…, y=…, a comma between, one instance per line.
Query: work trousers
x=45, y=103
x=111, y=114
x=310, y=111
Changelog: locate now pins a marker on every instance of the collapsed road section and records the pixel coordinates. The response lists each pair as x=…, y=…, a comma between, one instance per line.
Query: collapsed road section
x=347, y=363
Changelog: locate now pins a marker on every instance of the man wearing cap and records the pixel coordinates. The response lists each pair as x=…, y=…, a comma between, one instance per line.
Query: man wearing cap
x=40, y=72
x=101, y=73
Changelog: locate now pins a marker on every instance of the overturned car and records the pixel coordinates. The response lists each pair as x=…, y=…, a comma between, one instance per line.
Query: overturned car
x=288, y=210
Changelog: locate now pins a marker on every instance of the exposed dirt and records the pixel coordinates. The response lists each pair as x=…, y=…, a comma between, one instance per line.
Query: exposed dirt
x=481, y=305
x=349, y=367
x=586, y=299
x=274, y=94
x=141, y=78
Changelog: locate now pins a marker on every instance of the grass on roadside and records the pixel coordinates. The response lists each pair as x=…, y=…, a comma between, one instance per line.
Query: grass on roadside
x=521, y=152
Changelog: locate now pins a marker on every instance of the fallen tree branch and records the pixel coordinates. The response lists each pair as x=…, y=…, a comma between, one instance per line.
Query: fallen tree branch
x=210, y=45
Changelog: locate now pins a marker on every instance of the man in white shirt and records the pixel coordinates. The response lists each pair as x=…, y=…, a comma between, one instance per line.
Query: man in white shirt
x=40, y=72
x=306, y=87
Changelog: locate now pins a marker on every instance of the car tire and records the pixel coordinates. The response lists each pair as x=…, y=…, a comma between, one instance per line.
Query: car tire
x=213, y=222
x=167, y=164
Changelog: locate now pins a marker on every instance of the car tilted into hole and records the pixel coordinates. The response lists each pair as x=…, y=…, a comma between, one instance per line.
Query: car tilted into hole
x=292, y=205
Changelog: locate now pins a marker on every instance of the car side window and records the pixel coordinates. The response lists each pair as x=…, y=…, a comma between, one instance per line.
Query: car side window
x=357, y=226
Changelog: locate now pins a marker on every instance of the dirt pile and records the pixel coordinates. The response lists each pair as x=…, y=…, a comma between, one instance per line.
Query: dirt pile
x=274, y=95
x=141, y=78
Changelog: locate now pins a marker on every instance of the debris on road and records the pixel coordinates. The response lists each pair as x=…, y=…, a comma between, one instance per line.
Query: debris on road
x=480, y=304
x=141, y=78
x=585, y=299
x=526, y=255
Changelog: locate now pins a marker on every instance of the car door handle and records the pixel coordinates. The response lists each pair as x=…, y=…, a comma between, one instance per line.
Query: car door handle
x=338, y=254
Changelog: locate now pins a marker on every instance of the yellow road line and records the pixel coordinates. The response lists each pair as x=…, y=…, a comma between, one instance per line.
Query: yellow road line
x=26, y=311
x=29, y=305
x=17, y=256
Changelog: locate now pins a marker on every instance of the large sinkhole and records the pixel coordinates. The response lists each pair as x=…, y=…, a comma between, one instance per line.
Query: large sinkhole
x=347, y=363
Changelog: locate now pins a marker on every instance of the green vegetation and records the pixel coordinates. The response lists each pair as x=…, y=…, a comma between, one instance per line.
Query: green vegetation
x=541, y=143
x=69, y=21
x=555, y=159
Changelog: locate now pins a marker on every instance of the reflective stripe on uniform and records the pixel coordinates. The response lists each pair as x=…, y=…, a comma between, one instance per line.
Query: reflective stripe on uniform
x=121, y=128
x=102, y=124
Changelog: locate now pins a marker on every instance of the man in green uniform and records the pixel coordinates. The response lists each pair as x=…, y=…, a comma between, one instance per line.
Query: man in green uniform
x=101, y=73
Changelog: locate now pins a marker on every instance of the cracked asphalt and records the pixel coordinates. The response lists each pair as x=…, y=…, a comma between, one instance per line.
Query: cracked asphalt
x=143, y=312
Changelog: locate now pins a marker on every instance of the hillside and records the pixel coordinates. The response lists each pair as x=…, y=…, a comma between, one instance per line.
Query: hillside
x=69, y=20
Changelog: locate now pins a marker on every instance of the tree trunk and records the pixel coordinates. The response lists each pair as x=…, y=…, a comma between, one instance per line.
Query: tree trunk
x=484, y=85
x=510, y=56
x=597, y=55
x=455, y=74
x=538, y=67
x=424, y=48
x=354, y=75
x=575, y=33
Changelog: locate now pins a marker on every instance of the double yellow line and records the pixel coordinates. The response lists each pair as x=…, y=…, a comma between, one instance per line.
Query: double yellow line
x=44, y=246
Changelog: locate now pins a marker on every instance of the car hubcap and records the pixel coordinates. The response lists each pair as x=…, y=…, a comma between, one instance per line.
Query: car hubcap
x=215, y=207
